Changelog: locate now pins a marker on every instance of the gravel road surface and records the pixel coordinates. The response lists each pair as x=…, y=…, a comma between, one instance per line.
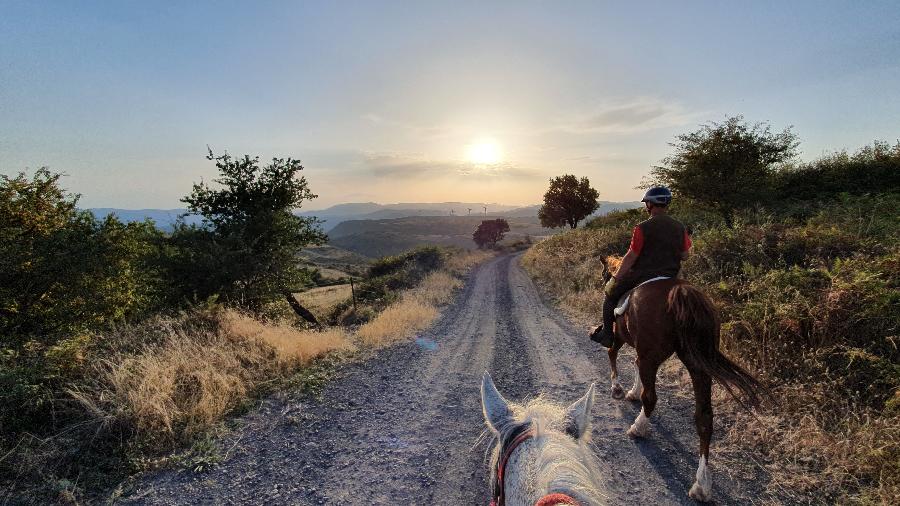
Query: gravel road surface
x=405, y=426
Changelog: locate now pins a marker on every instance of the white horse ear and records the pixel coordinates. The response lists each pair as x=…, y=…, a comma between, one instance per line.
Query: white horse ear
x=495, y=408
x=578, y=415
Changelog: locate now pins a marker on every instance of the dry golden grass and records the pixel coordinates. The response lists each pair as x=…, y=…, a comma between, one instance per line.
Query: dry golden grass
x=417, y=307
x=399, y=321
x=436, y=289
x=461, y=262
x=187, y=381
x=322, y=300
x=183, y=385
x=289, y=343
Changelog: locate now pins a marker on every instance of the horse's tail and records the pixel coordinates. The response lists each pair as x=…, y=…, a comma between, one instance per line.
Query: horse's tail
x=697, y=331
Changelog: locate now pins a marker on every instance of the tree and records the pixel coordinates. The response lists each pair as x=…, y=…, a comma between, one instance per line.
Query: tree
x=490, y=232
x=247, y=249
x=568, y=201
x=725, y=167
x=62, y=271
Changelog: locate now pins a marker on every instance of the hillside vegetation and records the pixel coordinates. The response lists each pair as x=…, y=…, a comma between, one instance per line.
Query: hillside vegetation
x=808, y=286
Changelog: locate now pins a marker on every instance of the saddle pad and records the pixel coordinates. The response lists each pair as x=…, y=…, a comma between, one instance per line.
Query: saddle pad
x=623, y=302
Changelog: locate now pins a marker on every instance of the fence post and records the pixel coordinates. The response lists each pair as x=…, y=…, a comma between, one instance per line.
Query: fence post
x=353, y=292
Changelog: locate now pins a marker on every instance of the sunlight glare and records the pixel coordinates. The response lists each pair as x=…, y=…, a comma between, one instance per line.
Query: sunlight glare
x=484, y=152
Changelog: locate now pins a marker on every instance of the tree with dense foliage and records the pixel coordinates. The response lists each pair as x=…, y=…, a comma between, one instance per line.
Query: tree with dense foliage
x=568, y=201
x=725, y=167
x=871, y=169
x=63, y=275
x=246, y=251
x=490, y=232
x=62, y=270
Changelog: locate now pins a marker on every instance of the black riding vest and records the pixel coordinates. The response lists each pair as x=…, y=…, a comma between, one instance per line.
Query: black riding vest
x=663, y=245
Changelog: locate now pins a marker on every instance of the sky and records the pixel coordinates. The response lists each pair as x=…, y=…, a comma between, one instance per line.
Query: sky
x=426, y=101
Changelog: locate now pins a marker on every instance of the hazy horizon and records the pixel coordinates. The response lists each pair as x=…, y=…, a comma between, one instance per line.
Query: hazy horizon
x=399, y=102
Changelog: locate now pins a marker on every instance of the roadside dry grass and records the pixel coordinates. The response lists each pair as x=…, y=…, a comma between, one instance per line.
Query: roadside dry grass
x=322, y=300
x=398, y=322
x=291, y=345
x=193, y=376
x=418, y=307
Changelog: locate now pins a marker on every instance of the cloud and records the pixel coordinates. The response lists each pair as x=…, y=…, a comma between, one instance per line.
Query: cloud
x=417, y=166
x=634, y=115
x=426, y=130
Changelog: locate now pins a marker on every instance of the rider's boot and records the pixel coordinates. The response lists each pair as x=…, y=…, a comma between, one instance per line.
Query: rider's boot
x=603, y=335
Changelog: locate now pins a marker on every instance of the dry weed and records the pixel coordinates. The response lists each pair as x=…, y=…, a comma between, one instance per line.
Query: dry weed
x=399, y=321
x=436, y=289
x=191, y=378
x=290, y=344
x=460, y=263
x=185, y=384
x=323, y=299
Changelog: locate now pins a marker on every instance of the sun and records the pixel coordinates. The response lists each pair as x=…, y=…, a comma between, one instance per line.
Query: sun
x=484, y=152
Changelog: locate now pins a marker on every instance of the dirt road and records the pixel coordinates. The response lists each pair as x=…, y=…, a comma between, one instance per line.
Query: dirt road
x=404, y=426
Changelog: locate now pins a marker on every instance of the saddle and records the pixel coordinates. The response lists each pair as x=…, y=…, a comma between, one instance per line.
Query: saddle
x=622, y=305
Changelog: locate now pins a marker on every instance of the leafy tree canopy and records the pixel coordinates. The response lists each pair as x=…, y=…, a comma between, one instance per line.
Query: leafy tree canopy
x=726, y=166
x=490, y=232
x=63, y=271
x=247, y=251
x=568, y=201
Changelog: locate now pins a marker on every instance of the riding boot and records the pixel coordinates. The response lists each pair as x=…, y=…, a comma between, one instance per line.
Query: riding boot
x=604, y=333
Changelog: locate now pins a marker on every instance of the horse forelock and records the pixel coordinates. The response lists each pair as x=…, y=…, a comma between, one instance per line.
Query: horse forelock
x=552, y=461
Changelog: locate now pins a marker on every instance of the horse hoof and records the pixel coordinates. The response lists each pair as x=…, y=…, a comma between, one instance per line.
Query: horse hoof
x=641, y=426
x=700, y=494
x=617, y=392
x=635, y=433
x=631, y=396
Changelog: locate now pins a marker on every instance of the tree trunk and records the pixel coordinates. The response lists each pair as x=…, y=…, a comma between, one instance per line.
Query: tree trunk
x=301, y=311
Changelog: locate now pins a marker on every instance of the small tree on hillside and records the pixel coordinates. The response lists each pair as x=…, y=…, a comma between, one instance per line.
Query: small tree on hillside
x=251, y=237
x=725, y=167
x=490, y=232
x=568, y=201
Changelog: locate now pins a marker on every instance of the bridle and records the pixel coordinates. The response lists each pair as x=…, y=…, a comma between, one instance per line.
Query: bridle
x=507, y=447
x=515, y=438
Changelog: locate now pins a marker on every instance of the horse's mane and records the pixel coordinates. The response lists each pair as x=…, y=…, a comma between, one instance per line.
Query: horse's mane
x=565, y=464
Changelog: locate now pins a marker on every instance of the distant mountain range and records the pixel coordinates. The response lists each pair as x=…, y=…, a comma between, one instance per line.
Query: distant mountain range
x=335, y=215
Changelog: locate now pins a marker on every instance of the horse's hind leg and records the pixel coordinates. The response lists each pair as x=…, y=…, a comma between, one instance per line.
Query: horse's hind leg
x=647, y=373
x=616, y=387
x=635, y=393
x=703, y=417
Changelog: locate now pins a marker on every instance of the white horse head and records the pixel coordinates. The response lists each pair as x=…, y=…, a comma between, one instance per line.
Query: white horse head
x=545, y=450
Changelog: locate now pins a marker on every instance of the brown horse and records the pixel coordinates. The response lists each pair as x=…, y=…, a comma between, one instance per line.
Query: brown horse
x=671, y=316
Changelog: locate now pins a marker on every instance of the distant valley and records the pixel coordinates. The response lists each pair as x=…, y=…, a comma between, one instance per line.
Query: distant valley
x=374, y=230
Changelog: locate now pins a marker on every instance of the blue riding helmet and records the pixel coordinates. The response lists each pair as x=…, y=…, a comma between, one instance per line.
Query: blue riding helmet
x=658, y=195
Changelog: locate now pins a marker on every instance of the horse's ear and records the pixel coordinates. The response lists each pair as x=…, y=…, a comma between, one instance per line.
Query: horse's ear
x=578, y=415
x=496, y=409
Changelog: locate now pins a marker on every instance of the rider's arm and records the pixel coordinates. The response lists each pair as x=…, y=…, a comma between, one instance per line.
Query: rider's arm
x=637, y=243
x=627, y=263
x=686, y=249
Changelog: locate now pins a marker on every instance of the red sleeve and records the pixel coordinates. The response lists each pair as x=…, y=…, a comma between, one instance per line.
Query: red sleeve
x=637, y=241
x=687, y=241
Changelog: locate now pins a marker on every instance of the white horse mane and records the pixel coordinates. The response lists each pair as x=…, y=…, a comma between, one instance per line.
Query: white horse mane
x=561, y=463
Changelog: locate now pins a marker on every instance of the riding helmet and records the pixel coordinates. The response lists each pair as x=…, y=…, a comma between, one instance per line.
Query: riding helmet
x=659, y=195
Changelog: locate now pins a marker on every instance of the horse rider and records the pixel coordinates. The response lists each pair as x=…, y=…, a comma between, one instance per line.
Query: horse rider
x=658, y=246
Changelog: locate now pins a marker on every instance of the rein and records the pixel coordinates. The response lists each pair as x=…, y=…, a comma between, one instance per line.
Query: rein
x=515, y=439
